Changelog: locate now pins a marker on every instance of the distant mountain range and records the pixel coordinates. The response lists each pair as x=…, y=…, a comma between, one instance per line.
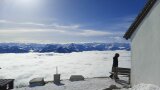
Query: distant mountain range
x=61, y=48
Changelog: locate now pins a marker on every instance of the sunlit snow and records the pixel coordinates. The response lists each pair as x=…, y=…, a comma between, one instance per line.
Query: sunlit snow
x=26, y=66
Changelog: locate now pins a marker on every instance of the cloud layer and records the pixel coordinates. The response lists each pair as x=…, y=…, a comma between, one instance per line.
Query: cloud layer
x=33, y=32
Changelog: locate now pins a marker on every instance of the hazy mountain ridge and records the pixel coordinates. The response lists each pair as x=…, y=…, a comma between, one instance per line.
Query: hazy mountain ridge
x=61, y=48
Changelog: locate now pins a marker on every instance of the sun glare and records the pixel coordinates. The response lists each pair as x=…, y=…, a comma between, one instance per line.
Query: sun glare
x=27, y=3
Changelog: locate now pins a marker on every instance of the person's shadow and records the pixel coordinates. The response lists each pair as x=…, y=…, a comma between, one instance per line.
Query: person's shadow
x=112, y=87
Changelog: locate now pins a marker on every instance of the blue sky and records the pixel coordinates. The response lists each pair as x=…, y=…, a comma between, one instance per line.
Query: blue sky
x=66, y=21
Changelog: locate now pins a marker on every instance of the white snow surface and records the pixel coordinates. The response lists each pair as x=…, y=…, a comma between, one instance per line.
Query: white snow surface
x=143, y=86
x=88, y=84
x=26, y=66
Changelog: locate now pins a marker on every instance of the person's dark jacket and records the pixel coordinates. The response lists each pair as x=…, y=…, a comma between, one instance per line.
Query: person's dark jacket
x=115, y=61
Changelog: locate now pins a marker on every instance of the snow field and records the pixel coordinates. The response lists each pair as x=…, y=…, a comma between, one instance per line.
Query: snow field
x=26, y=66
x=88, y=84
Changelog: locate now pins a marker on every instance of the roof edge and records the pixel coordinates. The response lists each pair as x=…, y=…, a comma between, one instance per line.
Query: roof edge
x=139, y=18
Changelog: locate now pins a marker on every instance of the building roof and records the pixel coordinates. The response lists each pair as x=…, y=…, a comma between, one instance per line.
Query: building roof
x=139, y=18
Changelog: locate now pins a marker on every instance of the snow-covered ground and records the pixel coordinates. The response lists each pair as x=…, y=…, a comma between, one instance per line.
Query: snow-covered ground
x=26, y=66
x=88, y=84
x=143, y=86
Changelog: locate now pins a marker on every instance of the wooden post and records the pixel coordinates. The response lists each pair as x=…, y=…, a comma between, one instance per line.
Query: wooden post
x=130, y=78
x=11, y=85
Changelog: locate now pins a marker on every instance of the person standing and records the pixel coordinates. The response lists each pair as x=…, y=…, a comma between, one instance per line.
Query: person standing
x=115, y=66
